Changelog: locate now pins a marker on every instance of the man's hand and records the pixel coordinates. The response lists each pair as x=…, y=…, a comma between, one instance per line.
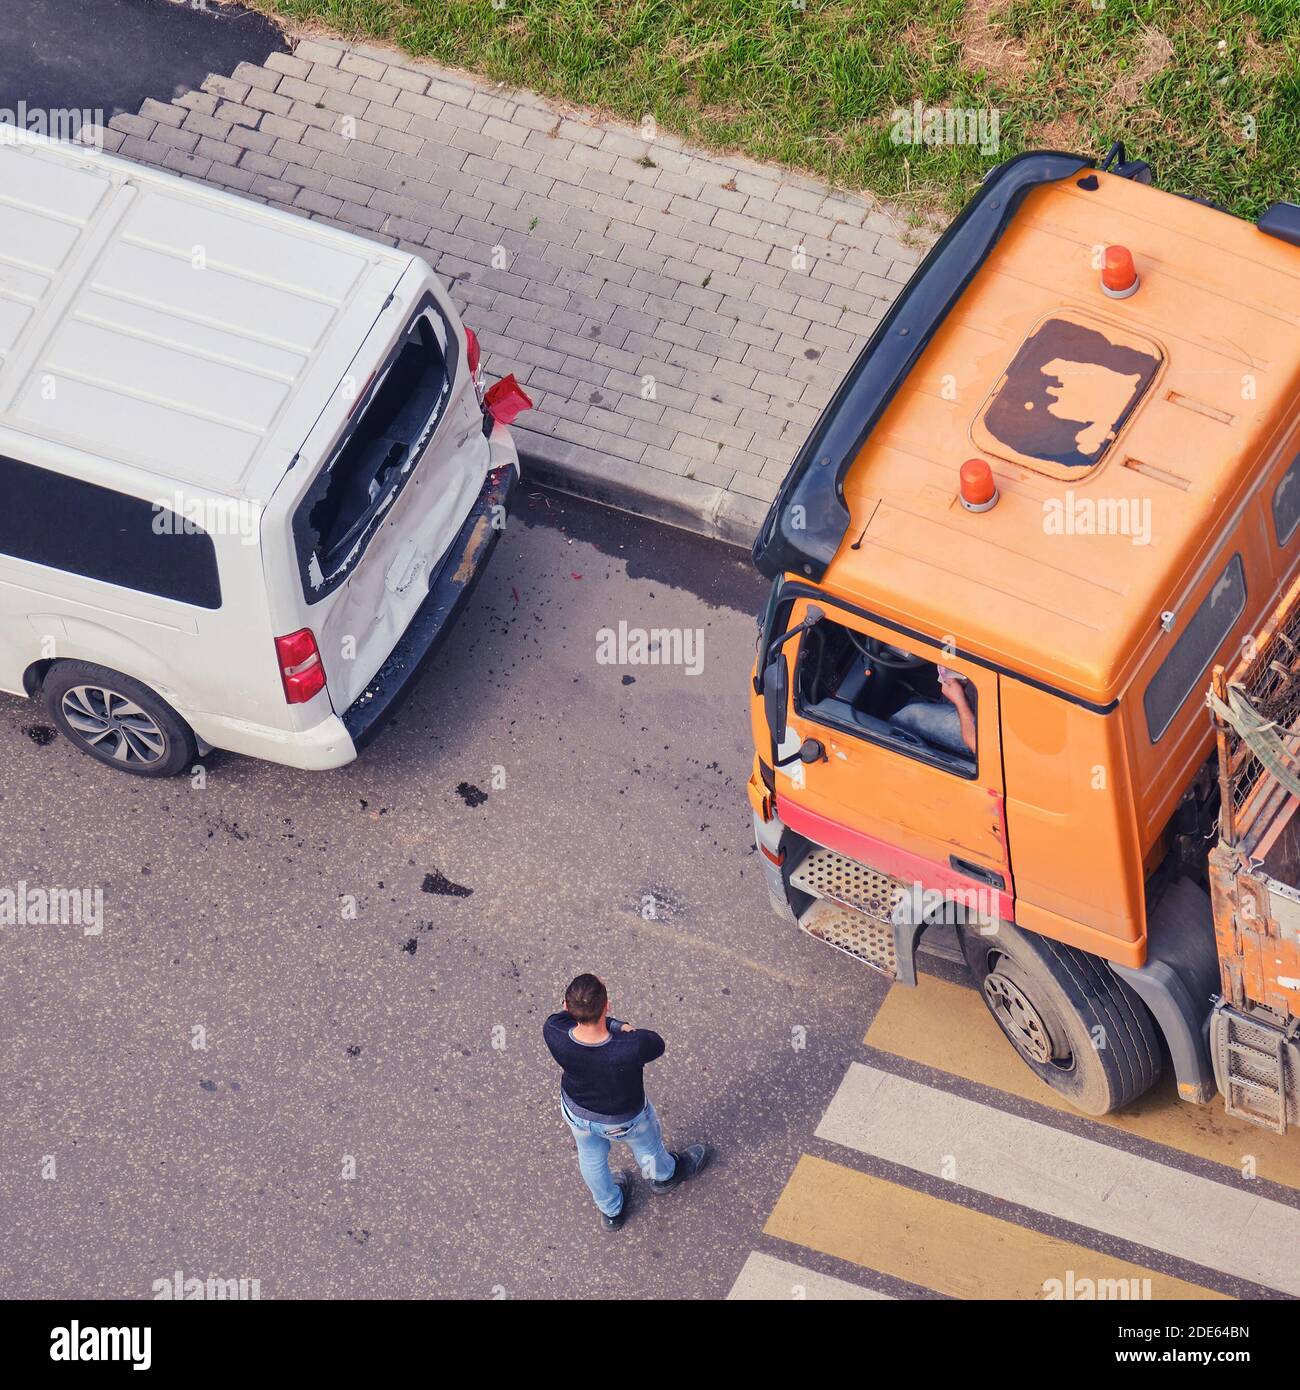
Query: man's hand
x=954, y=691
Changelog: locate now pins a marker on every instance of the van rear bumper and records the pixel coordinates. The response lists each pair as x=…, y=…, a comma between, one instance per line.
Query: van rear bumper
x=460, y=571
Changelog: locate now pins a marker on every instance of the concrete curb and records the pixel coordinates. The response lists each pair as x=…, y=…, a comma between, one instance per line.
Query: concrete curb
x=685, y=503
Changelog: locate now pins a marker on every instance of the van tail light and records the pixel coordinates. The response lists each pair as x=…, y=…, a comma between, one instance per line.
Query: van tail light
x=474, y=358
x=506, y=399
x=301, y=668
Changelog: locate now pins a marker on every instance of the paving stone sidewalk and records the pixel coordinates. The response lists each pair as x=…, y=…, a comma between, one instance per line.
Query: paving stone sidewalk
x=678, y=318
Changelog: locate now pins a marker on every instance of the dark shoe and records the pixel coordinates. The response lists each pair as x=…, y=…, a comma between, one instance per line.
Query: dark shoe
x=689, y=1162
x=614, y=1223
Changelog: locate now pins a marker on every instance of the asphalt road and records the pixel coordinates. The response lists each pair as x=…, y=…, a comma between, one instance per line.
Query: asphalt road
x=408, y=1037
x=109, y=55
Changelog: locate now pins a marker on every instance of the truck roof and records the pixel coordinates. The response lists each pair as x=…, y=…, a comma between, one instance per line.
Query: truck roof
x=167, y=326
x=1152, y=414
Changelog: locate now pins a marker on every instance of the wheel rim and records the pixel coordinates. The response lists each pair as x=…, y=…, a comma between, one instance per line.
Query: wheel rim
x=1020, y=1020
x=113, y=725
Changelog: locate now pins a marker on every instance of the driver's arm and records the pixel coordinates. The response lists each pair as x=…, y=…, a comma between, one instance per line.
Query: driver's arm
x=955, y=691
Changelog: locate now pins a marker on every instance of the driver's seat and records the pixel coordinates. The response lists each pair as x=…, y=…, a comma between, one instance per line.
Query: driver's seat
x=876, y=688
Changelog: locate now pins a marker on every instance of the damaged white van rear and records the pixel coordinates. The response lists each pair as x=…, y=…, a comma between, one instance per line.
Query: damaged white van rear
x=248, y=470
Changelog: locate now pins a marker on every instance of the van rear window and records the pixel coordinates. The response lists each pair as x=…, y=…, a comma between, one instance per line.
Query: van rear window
x=384, y=441
x=47, y=518
x=1182, y=670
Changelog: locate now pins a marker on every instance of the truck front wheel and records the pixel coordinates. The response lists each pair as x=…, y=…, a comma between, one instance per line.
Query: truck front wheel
x=1074, y=1023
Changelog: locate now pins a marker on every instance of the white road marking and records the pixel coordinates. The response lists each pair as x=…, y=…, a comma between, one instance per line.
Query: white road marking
x=1060, y=1174
x=767, y=1279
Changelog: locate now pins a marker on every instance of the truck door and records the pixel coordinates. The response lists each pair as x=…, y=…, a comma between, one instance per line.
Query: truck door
x=900, y=786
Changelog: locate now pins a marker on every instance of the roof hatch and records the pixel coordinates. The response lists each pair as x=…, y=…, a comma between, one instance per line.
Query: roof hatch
x=1067, y=394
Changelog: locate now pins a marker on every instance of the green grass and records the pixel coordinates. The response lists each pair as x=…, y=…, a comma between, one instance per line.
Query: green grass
x=1208, y=91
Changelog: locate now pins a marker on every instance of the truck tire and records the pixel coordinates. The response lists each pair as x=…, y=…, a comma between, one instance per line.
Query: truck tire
x=117, y=720
x=1073, y=1022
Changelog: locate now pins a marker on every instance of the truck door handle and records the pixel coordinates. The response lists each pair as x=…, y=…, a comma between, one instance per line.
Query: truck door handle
x=978, y=871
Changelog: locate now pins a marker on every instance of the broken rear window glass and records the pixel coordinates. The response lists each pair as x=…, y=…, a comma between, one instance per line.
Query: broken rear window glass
x=385, y=439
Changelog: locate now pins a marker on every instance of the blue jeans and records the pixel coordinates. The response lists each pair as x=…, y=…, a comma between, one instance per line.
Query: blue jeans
x=641, y=1134
x=937, y=722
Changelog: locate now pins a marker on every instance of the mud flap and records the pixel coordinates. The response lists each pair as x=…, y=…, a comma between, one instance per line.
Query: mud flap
x=1178, y=982
x=907, y=932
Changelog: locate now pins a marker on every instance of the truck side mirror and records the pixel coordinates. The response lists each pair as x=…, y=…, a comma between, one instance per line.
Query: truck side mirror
x=809, y=751
x=776, y=696
x=812, y=751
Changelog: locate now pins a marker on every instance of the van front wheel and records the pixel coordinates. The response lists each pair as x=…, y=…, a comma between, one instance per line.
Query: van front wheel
x=117, y=720
x=1073, y=1022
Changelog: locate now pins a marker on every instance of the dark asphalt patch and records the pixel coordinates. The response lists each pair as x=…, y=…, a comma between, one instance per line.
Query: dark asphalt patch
x=719, y=574
x=439, y=883
x=109, y=55
x=470, y=794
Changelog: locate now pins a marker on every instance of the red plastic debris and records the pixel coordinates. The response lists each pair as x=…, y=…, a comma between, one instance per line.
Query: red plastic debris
x=506, y=399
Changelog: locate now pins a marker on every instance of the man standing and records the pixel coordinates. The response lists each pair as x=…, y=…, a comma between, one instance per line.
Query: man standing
x=602, y=1098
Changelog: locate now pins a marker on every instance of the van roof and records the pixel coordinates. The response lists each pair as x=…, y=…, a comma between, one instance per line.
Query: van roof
x=1151, y=414
x=170, y=327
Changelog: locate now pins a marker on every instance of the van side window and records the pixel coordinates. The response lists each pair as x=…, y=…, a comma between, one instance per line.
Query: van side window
x=1189, y=659
x=47, y=518
x=1286, y=503
x=887, y=695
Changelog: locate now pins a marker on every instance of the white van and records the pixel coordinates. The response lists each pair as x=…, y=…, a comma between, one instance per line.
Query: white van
x=247, y=472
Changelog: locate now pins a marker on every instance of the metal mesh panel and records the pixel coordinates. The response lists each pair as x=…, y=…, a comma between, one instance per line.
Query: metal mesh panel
x=865, y=938
x=854, y=908
x=1270, y=679
x=1252, y=1065
x=826, y=874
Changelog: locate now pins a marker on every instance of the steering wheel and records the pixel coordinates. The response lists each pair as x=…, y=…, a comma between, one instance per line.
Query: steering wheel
x=883, y=654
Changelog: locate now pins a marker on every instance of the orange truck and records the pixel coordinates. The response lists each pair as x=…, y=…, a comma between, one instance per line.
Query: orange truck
x=1056, y=497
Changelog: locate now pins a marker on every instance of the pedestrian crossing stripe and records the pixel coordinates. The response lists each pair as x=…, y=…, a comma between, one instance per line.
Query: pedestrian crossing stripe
x=951, y=1249
x=1061, y=1174
x=947, y=1027
x=767, y=1279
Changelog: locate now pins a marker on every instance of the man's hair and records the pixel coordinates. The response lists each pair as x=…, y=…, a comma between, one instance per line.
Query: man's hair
x=586, y=998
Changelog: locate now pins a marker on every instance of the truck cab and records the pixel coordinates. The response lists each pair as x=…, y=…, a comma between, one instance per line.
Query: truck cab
x=1060, y=484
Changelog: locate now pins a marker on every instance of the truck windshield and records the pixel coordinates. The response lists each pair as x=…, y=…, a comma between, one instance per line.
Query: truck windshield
x=383, y=443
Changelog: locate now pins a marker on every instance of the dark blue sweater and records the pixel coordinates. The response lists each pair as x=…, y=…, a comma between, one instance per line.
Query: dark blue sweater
x=602, y=1081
